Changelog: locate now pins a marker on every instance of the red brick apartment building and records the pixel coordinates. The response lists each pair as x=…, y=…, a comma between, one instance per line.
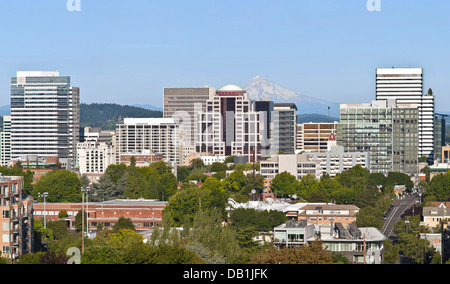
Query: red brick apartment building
x=16, y=223
x=144, y=213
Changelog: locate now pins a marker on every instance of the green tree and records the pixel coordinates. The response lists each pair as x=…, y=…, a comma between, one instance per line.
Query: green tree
x=439, y=187
x=151, y=191
x=284, y=184
x=167, y=186
x=197, y=163
x=307, y=185
x=370, y=217
x=356, y=175
x=123, y=223
x=314, y=253
x=115, y=172
x=391, y=252
x=209, y=236
x=218, y=167
x=185, y=203
x=61, y=185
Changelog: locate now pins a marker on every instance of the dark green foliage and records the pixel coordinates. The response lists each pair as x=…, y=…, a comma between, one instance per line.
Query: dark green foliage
x=439, y=187
x=242, y=218
x=106, y=115
x=61, y=185
x=123, y=223
x=120, y=181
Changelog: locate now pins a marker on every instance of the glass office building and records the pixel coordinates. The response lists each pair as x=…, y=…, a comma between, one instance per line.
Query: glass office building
x=389, y=132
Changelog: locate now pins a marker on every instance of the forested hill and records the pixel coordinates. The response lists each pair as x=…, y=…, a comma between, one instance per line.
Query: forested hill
x=106, y=115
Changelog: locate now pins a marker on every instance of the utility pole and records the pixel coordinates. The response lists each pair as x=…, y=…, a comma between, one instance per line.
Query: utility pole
x=83, y=190
x=364, y=248
x=45, y=194
x=82, y=222
x=254, y=182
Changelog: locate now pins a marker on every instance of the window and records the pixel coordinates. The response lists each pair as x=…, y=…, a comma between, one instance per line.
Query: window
x=6, y=238
x=6, y=214
x=6, y=249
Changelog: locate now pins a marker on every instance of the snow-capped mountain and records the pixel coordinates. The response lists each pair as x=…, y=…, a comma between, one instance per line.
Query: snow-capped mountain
x=261, y=88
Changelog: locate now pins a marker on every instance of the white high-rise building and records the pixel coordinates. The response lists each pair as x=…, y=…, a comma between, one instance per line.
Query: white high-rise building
x=157, y=135
x=5, y=141
x=406, y=86
x=230, y=125
x=45, y=116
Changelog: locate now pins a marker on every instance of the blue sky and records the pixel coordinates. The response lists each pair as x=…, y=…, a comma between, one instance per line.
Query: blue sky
x=126, y=51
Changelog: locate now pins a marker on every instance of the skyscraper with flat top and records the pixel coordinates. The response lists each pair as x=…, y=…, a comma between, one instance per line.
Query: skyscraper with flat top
x=183, y=104
x=405, y=85
x=230, y=125
x=45, y=116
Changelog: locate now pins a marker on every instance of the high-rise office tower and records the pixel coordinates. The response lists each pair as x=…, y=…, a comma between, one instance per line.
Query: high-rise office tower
x=439, y=136
x=45, y=116
x=182, y=104
x=5, y=141
x=266, y=112
x=388, y=131
x=285, y=125
x=230, y=125
x=406, y=86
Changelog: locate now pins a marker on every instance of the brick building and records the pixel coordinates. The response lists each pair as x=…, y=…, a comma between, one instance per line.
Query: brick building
x=16, y=223
x=323, y=213
x=144, y=213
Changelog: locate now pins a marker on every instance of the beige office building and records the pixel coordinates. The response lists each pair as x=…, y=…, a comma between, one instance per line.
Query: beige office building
x=313, y=137
x=183, y=104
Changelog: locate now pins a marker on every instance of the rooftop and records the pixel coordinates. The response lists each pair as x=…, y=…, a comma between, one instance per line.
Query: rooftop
x=148, y=121
x=231, y=88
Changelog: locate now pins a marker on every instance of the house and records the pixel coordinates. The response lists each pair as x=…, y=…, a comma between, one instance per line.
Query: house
x=432, y=216
x=359, y=245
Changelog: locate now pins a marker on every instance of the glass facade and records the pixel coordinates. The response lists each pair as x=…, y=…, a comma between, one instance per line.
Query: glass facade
x=389, y=134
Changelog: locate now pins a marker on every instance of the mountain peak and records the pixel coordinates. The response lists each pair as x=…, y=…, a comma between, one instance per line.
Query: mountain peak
x=262, y=88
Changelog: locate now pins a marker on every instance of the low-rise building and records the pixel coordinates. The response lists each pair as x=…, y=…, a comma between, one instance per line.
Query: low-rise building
x=142, y=159
x=359, y=245
x=144, y=213
x=207, y=158
x=296, y=165
x=322, y=213
x=39, y=166
x=432, y=216
x=336, y=160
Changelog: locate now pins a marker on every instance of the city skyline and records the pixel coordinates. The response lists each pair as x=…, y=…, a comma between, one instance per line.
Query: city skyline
x=118, y=52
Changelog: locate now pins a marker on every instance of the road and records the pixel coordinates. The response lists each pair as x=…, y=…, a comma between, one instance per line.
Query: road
x=400, y=205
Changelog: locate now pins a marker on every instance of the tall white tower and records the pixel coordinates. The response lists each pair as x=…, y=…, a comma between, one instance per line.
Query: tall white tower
x=45, y=116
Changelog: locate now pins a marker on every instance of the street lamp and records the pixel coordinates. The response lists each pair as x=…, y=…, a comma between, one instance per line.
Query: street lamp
x=45, y=194
x=83, y=189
